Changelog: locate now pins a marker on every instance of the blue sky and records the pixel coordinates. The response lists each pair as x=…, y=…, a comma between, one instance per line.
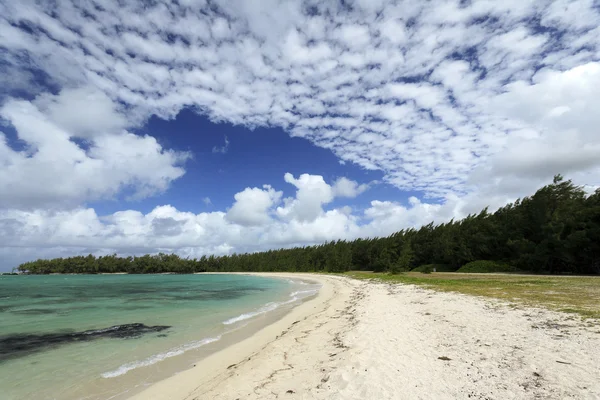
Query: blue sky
x=200, y=127
x=250, y=159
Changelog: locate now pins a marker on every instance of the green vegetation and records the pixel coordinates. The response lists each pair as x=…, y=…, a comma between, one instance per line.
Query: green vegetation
x=556, y=231
x=485, y=266
x=580, y=295
x=426, y=269
x=404, y=260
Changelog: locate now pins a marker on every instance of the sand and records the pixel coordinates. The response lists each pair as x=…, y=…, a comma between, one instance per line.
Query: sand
x=368, y=340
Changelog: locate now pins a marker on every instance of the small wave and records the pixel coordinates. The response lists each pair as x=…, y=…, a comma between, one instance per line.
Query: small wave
x=305, y=293
x=263, y=310
x=295, y=296
x=123, y=369
x=294, y=282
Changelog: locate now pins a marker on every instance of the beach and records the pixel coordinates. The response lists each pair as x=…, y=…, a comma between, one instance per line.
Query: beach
x=111, y=336
x=371, y=340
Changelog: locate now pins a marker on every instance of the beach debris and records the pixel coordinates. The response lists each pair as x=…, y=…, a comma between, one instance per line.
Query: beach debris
x=563, y=362
x=444, y=358
x=290, y=392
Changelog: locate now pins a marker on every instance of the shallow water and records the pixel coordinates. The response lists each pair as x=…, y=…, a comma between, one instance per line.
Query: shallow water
x=95, y=336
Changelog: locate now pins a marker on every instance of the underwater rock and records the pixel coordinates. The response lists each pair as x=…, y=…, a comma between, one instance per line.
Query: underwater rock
x=20, y=345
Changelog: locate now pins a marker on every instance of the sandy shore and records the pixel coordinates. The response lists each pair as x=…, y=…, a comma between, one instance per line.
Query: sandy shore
x=366, y=340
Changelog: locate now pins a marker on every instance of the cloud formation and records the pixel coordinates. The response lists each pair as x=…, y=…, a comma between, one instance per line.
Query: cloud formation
x=251, y=207
x=423, y=91
x=258, y=219
x=471, y=103
x=77, y=150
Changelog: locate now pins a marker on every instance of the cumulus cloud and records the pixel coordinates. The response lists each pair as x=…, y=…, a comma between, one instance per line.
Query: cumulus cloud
x=254, y=222
x=345, y=187
x=56, y=170
x=252, y=206
x=313, y=192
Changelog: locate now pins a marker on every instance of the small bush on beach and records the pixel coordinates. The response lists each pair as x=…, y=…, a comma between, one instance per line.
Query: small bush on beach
x=486, y=266
x=426, y=269
x=394, y=269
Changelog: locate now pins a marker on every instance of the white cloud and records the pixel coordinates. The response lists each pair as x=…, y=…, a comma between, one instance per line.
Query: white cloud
x=83, y=112
x=555, y=128
x=386, y=217
x=254, y=222
x=55, y=171
x=473, y=103
x=252, y=206
x=416, y=78
x=558, y=103
x=344, y=187
x=313, y=192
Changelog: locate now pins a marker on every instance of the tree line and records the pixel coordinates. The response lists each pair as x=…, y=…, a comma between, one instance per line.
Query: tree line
x=556, y=230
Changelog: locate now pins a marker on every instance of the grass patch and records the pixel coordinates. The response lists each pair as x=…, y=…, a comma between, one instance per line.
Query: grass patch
x=573, y=294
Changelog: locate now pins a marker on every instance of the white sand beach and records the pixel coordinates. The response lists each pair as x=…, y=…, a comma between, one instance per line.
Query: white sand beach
x=368, y=340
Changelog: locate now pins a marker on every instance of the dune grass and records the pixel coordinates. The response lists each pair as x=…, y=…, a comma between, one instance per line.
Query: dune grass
x=572, y=294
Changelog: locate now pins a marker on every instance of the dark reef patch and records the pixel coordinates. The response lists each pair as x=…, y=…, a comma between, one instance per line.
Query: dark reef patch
x=13, y=346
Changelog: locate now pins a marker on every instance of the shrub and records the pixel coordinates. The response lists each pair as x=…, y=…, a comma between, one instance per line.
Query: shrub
x=486, y=266
x=426, y=269
x=394, y=269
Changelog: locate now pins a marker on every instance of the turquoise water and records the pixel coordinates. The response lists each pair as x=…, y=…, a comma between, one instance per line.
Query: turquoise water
x=99, y=336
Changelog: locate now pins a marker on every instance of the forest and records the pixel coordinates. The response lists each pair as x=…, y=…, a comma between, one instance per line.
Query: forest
x=555, y=231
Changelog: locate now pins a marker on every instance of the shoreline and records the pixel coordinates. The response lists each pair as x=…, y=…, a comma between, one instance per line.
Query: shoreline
x=217, y=367
x=375, y=340
x=133, y=380
x=117, y=373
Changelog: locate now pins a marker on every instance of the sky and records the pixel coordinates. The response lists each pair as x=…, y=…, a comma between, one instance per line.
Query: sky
x=212, y=127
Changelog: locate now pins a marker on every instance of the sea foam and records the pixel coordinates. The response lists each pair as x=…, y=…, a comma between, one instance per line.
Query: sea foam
x=295, y=296
x=123, y=369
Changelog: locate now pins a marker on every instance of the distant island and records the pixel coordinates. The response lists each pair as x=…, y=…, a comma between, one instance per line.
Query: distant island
x=556, y=230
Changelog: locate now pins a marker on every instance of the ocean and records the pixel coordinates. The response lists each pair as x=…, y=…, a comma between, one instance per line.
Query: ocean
x=108, y=336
